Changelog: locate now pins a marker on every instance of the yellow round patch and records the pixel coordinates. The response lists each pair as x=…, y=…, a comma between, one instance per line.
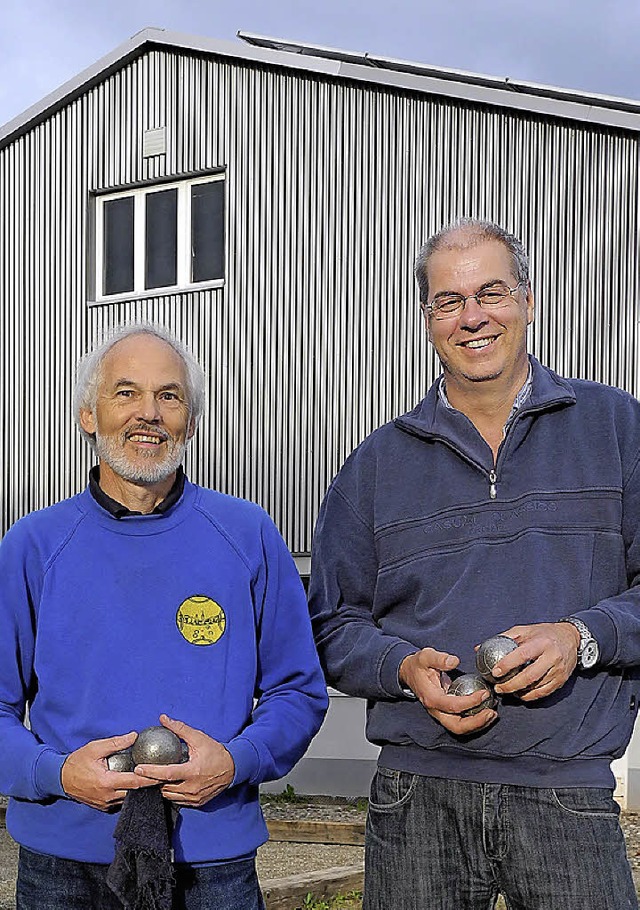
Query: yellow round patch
x=201, y=620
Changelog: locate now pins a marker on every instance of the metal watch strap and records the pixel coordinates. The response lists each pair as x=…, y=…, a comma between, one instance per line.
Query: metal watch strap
x=408, y=693
x=588, y=650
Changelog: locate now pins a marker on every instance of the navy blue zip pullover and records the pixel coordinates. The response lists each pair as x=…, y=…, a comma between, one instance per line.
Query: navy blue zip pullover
x=411, y=550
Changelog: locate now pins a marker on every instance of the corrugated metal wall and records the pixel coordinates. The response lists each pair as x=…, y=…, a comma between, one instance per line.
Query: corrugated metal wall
x=315, y=338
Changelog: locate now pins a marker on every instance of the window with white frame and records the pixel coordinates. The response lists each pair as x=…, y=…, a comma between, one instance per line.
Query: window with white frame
x=160, y=237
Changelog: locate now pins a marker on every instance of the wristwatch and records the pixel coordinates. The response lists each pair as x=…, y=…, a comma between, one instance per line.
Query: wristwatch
x=588, y=649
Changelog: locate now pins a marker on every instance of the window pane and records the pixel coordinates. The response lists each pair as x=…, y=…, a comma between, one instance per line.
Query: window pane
x=117, y=276
x=161, y=259
x=207, y=231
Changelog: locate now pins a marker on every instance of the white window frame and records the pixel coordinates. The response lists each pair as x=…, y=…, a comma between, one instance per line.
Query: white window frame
x=183, y=240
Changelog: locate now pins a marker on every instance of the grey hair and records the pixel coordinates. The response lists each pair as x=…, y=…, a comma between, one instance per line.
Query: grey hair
x=85, y=393
x=467, y=232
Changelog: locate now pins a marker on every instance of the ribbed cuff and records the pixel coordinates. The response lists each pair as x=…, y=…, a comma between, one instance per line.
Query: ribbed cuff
x=603, y=630
x=390, y=666
x=47, y=773
x=246, y=760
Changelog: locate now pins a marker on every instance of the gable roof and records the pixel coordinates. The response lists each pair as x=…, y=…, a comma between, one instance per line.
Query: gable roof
x=362, y=67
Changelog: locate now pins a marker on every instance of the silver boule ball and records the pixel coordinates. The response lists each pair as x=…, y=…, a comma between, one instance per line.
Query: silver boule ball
x=490, y=652
x=120, y=761
x=467, y=685
x=156, y=746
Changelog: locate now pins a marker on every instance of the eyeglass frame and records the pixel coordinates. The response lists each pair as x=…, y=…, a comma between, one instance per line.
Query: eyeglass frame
x=429, y=307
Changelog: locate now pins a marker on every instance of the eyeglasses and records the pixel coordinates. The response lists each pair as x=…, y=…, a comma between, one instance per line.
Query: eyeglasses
x=490, y=297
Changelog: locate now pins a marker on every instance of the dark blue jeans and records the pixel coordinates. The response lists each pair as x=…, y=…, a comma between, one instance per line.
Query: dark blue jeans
x=50, y=883
x=435, y=844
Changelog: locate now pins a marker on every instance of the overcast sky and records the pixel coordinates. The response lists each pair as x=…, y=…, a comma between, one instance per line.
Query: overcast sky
x=582, y=44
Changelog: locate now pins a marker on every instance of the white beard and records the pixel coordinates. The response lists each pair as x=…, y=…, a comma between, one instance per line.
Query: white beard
x=111, y=450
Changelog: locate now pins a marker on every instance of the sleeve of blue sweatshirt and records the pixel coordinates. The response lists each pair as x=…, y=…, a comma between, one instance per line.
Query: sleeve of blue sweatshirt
x=615, y=621
x=29, y=769
x=291, y=692
x=357, y=656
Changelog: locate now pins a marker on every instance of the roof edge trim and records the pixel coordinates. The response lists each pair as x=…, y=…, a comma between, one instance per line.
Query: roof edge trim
x=440, y=72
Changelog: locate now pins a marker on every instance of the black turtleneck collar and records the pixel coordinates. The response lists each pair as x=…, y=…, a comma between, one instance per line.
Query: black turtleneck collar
x=118, y=510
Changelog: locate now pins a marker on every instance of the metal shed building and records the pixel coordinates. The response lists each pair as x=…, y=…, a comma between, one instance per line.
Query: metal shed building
x=292, y=186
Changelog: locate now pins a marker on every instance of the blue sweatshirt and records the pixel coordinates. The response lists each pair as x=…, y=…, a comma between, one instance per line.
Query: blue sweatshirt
x=107, y=623
x=412, y=551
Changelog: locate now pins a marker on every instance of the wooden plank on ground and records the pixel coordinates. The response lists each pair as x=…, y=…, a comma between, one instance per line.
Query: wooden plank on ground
x=316, y=832
x=290, y=892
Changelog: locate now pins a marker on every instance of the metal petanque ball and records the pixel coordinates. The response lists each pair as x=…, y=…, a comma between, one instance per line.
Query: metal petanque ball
x=120, y=761
x=157, y=746
x=467, y=685
x=490, y=652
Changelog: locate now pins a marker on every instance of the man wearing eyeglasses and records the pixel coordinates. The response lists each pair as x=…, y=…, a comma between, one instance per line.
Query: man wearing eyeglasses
x=507, y=502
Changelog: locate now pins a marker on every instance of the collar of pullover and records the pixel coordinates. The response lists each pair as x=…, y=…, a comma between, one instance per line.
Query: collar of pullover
x=118, y=510
x=137, y=524
x=518, y=402
x=431, y=419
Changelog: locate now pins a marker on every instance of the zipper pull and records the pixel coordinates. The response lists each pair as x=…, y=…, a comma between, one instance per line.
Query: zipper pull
x=493, y=477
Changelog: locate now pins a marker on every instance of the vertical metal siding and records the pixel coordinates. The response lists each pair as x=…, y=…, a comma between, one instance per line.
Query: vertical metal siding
x=315, y=338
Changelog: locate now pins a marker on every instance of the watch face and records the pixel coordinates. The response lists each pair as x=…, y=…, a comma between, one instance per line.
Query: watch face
x=589, y=656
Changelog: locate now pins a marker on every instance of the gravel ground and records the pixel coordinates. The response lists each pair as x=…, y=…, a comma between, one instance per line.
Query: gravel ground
x=276, y=860
x=8, y=863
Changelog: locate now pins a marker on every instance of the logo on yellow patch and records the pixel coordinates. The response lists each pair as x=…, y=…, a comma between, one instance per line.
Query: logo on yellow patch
x=200, y=620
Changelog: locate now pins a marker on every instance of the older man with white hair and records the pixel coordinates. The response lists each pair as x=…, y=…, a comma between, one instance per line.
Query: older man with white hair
x=147, y=599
